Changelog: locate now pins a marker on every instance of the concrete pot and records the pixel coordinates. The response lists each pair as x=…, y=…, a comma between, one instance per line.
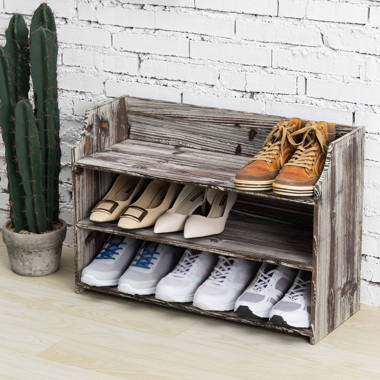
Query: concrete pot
x=34, y=254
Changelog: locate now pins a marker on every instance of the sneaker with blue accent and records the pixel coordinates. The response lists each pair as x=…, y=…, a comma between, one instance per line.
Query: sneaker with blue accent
x=111, y=261
x=152, y=262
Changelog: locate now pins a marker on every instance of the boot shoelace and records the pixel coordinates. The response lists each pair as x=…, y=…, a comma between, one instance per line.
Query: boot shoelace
x=145, y=257
x=221, y=270
x=262, y=281
x=314, y=140
x=184, y=266
x=110, y=249
x=274, y=143
x=298, y=289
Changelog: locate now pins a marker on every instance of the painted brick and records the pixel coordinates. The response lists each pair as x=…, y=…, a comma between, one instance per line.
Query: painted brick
x=194, y=23
x=234, y=80
x=278, y=32
x=349, y=92
x=369, y=293
x=169, y=3
x=357, y=40
x=371, y=121
x=84, y=36
x=244, y=54
x=152, y=44
x=141, y=90
x=60, y=8
x=179, y=71
x=374, y=16
x=85, y=82
x=271, y=83
x=337, y=12
x=304, y=60
x=293, y=8
x=259, y=7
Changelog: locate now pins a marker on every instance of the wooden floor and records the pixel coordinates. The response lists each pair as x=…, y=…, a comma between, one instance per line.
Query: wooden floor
x=49, y=332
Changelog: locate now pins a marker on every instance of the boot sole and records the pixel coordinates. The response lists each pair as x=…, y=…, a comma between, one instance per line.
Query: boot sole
x=293, y=191
x=245, y=185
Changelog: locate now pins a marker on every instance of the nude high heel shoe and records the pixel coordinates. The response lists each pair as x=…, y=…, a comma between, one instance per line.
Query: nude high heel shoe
x=188, y=200
x=153, y=202
x=221, y=204
x=121, y=194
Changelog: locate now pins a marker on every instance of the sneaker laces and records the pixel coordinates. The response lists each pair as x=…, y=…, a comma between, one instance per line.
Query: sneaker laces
x=314, y=140
x=144, y=258
x=262, y=281
x=298, y=289
x=111, y=248
x=274, y=143
x=183, y=267
x=221, y=270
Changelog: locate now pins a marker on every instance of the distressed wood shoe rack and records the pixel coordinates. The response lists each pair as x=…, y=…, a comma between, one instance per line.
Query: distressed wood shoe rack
x=206, y=146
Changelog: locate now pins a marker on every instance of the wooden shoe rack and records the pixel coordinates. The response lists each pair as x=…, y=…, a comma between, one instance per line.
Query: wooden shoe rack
x=206, y=146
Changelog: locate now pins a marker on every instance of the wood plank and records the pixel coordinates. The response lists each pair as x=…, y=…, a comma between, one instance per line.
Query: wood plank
x=245, y=237
x=177, y=164
x=229, y=316
x=337, y=235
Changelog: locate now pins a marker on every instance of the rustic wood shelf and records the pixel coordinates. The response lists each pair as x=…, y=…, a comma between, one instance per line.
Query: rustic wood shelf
x=246, y=237
x=230, y=316
x=206, y=146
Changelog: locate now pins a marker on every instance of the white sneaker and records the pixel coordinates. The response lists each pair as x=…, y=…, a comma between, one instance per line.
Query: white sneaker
x=266, y=289
x=181, y=283
x=151, y=263
x=111, y=261
x=294, y=308
x=224, y=285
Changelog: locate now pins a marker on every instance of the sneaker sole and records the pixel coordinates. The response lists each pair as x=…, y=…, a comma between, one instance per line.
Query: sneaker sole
x=278, y=320
x=203, y=306
x=92, y=281
x=293, y=191
x=128, y=289
x=245, y=311
x=182, y=299
x=244, y=185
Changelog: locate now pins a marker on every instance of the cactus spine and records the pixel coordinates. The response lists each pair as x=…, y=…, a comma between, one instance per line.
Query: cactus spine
x=32, y=144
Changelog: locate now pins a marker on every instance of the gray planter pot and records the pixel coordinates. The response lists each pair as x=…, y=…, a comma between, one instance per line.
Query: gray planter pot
x=34, y=254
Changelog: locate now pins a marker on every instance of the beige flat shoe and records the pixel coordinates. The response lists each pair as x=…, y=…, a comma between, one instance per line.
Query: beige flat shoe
x=153, y=202
x=123, y=191
x=189, y=199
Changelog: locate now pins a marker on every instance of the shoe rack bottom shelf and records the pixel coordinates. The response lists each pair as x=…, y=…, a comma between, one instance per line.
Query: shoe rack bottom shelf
x=229, y=315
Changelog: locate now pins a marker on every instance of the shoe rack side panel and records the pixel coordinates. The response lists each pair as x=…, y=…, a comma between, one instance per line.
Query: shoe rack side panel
x=338, y=235
x=104, y=126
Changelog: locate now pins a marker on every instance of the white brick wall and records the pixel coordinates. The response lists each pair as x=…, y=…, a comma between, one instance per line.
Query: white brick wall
x=314, y=59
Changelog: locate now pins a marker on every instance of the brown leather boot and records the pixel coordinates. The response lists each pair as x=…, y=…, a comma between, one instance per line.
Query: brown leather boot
x=259, y=173
x=299, y=175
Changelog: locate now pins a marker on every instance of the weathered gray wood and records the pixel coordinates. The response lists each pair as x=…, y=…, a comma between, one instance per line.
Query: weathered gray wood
x=230, y=316
x=245, y=237
x=178, y=164
x=337, y=235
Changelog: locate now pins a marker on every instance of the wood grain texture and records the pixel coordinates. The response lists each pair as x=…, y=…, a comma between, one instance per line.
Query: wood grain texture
x=337, y=235
x=206, y=146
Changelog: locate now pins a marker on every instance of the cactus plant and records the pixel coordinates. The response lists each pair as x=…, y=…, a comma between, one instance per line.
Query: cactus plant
x=31, y=139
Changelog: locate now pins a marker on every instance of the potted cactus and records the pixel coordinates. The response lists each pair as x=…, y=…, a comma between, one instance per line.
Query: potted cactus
x=34, y=234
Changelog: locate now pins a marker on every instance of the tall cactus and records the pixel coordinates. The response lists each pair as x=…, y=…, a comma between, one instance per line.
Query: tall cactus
x=30, y=165
x=7, y=124
x=31, y=139
x=43, y=55
x=17, y=51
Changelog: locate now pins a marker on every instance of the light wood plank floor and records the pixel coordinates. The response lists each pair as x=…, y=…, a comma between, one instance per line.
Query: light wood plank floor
x=49, y=332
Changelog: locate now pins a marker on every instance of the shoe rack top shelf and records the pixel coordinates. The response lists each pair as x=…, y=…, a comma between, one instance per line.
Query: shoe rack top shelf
x=179, y=143
x=206, y=146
